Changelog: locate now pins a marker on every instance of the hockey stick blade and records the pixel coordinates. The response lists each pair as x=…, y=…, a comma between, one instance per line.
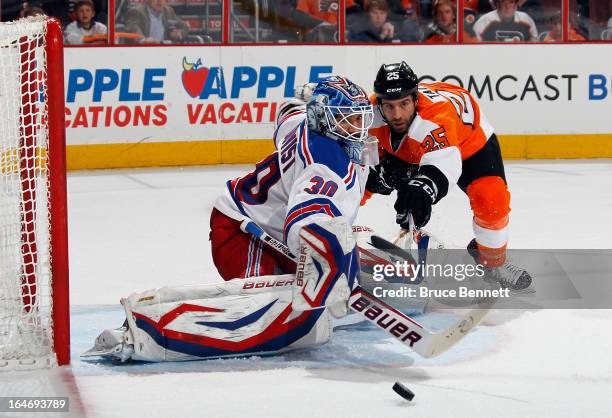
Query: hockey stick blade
x=423, y=341
x=382, y=244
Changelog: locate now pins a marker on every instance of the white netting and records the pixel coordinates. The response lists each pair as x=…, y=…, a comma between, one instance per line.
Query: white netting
x=25, y=279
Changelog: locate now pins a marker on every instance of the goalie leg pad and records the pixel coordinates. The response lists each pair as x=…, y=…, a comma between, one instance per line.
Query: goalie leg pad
x=328, y=264
x=237, y=318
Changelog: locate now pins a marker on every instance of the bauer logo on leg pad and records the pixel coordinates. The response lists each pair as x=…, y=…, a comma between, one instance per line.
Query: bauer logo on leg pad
x=266, y=283
x=299, y=272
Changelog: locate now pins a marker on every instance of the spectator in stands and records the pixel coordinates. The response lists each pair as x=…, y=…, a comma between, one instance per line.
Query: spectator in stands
x=320, y=18
x=374, y=26
x=443, y=29
x=403, y=16
x=479, y=7
x=556, y=31
x=505, y=24
x=27, y=9
x=84, y=28
x=156, y=22
x=31, y=10
x=323, y=10
x=470, y=16
x=607, y=35
x=400, y=7
x=535, y=11
x=407, y=24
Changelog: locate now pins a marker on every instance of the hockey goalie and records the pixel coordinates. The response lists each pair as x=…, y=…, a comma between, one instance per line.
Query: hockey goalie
x=293, y=266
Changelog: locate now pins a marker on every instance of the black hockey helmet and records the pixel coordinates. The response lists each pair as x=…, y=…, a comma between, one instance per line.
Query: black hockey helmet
x=395, y=81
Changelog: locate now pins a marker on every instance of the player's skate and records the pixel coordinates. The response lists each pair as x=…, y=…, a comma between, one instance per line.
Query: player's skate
x=510, y=276
x=112, y=343
x=507, y=275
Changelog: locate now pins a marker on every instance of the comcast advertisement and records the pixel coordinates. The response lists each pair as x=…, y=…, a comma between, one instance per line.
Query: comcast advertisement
x=199, y=94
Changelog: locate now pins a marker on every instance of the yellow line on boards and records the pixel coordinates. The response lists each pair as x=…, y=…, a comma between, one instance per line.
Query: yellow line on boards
x=184, y=153
x=523, y=147
x=163, y=154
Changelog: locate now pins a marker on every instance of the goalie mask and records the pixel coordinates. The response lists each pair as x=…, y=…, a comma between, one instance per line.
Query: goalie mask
x=340, y=109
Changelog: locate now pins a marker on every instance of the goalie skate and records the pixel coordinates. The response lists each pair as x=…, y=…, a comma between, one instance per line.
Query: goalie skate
x=112, y=343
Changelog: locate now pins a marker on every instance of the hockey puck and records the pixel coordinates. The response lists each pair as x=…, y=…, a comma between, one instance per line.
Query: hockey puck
x=403, y=391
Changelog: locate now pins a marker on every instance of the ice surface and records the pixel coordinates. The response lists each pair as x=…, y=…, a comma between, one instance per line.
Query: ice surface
x=138, y=229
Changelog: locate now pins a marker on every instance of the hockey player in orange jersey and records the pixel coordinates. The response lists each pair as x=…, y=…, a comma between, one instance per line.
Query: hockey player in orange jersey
x=434, y=135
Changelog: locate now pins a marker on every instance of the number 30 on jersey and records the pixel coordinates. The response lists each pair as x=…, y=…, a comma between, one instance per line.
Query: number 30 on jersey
x=320, y=186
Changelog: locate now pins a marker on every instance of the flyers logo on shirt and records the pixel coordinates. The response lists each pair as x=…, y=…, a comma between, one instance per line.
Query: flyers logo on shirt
x=329, y=6
x=509, y=36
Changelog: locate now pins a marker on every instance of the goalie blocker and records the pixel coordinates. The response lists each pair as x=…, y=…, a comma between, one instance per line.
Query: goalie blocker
x=261, y=315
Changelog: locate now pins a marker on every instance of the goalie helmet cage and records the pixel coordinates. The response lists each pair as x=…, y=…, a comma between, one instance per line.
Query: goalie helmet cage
x=34, y=310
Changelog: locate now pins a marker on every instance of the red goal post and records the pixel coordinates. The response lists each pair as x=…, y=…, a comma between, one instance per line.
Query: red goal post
x=34, y=308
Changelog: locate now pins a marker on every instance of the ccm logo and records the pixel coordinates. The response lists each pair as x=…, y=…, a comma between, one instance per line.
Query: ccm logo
x=378, y=315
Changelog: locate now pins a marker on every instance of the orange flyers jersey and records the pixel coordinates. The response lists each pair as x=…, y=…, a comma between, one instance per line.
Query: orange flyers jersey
x=323, y=9
x=449, y=127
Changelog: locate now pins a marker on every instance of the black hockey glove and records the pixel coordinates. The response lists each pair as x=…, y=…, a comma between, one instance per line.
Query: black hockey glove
x=395, y=171
x=415, y=197
x=376, y=182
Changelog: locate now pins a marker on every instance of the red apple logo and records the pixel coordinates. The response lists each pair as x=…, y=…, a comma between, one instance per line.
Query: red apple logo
x=194, y=77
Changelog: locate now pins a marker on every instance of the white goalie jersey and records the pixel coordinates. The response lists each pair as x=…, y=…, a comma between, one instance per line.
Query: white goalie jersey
x=308, y=176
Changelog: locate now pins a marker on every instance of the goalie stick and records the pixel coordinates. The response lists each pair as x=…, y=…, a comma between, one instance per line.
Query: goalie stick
x=402, y=327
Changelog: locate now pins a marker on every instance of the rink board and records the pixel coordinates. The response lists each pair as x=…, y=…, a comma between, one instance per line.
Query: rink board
x=159, y=106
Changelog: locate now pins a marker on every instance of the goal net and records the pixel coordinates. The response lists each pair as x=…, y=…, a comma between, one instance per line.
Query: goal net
x=34, y=322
